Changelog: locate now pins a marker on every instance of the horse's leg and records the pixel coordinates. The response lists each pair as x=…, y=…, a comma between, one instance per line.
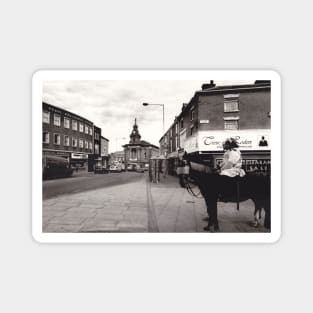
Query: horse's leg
x=211, y=203
x=267, y=219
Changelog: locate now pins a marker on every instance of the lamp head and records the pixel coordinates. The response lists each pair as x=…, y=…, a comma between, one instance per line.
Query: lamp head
x=145, y=104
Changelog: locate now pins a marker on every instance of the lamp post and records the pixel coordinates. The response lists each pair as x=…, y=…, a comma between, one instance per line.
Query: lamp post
x=162, y=105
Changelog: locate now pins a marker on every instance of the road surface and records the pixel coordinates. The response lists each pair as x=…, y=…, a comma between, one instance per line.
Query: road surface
x=71, y=185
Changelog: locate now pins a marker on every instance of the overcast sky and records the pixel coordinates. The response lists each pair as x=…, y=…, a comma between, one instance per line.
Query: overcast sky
x=113, y=105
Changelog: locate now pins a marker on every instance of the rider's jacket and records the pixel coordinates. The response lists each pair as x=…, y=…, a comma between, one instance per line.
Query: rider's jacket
x=231, y=165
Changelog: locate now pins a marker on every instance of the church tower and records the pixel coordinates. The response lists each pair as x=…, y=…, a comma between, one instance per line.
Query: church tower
x=135, y=136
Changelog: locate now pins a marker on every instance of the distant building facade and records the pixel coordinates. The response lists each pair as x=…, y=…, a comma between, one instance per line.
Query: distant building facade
x=138, y=152
x=105, y=151
x=67, y=135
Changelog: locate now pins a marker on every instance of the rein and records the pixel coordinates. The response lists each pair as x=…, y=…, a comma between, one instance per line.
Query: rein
x=190, y=190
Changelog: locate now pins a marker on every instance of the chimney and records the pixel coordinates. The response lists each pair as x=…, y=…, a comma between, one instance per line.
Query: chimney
x=208, y=86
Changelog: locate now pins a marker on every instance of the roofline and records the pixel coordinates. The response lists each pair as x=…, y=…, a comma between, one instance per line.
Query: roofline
x=105, y=138
x=54, y=106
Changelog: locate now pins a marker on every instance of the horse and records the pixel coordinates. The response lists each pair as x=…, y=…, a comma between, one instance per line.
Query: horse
x=215, y=187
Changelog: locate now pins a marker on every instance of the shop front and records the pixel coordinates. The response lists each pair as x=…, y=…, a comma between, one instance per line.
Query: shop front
x=255, y=147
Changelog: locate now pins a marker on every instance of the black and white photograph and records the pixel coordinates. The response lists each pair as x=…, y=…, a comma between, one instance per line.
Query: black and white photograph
x=151, y=156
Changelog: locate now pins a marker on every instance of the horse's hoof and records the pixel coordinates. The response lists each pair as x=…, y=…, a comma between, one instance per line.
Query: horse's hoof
x=254, y=224
x=207, y=228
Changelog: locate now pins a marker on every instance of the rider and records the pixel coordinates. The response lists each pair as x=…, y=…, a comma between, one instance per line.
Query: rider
x=232, y=162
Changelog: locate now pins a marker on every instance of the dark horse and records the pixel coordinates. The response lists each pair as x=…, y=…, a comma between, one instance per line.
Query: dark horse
x=215, y=187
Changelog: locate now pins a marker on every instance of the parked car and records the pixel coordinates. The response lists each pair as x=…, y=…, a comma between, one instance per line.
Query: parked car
x=117, y=168
x=99, y=169
x=55, y=167
x=139, y=169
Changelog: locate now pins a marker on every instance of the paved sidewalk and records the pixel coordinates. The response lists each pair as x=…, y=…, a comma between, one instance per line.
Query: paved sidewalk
x=178, y=211
x=140, y=206
x=120, y=208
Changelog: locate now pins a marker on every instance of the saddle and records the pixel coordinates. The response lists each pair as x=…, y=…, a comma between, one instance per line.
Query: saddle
x=229, y=189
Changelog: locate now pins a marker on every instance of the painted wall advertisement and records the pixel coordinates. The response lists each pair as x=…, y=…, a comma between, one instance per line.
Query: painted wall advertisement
x=247, y=140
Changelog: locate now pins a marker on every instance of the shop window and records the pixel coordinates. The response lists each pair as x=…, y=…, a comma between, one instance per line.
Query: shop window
x=46, y=117
x=45, y=137
x=57, y=120
x=57, y=139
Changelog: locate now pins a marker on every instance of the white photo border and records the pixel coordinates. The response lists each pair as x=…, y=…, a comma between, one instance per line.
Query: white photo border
x=42, y=237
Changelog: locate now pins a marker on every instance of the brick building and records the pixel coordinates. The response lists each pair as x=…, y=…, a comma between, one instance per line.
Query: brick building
x=217, y=112
x=67, y=135
x=138, y=152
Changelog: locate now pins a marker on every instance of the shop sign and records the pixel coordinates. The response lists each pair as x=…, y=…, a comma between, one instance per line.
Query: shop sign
x=260, y=166
x=79, y=156
x=191, y=144
x=247, y=140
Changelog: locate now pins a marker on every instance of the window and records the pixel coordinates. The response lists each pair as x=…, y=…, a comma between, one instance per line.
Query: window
x=66, y=122
x=86, y=144
x=96, y=148
x=176, y=142
x=81, y=127
x=133, y=154
x=90, y=147
x=176, y=128
x=74, y=125
x=182, y=123
x=231, y=103
x=192, y=129
x=74, y=142
x=90, y=131
x=57, y=139
x=86, y=130
x=66, y=140
x=145, y=155
x=192, y=115
x=46, y=117
x=97, y=136
x=45, y=137
x=231, y=124
x=57, y=119
x=231, y=106
x=81, y=143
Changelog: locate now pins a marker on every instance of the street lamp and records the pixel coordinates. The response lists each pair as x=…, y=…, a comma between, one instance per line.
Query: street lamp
x=162, y=105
